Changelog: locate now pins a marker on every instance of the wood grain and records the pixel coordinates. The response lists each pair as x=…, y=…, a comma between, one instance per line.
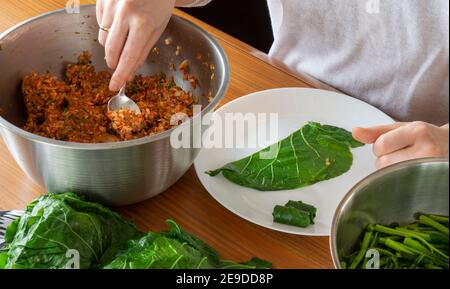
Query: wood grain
x=187, y=201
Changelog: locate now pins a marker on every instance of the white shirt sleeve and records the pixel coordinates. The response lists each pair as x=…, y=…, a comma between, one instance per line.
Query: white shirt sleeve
x=195, y=3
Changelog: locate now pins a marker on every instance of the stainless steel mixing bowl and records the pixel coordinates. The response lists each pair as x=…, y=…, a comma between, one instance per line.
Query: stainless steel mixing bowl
x=393, y=194
x=112, y=173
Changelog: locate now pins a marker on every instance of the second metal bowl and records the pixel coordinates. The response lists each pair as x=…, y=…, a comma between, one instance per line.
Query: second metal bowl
x=393, y=194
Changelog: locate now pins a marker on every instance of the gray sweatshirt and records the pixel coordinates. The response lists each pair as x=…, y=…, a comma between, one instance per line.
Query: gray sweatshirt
x=393, y=54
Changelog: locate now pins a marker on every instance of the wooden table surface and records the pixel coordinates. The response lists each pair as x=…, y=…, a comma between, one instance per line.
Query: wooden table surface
x=187, y=201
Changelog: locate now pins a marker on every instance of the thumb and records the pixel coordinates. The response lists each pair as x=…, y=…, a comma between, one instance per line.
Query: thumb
x=371, y=134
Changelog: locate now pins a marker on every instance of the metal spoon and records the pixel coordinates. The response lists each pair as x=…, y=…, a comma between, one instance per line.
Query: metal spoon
x=121, y=101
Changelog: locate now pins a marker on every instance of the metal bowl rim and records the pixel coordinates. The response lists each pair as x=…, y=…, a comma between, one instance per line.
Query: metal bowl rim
x=121, y=144
x=362, y=183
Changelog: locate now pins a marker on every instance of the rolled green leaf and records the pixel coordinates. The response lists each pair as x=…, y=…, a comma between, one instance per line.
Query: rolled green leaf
x=291, y=216
x=299, y=205
x=294, y=213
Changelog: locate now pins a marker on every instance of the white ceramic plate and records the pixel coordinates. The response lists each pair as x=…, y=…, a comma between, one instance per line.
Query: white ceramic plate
x=295, y=107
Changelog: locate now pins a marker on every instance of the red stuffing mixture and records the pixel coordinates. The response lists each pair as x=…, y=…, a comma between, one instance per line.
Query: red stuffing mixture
x=75, y=109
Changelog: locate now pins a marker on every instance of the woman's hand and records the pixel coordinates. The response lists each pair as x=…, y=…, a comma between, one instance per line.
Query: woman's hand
x=135, y=27
x=404, y=141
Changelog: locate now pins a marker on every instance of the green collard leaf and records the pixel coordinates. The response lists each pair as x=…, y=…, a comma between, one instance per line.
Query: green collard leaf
x=174, y=249
x=157, y=251
x=312, y=154
x=11, y=230
x=57, y=223
x=177, y=233
x=257, y=263
x=3, y=259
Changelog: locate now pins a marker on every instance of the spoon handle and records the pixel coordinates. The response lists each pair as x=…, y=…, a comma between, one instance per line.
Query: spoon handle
x=122, y=90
